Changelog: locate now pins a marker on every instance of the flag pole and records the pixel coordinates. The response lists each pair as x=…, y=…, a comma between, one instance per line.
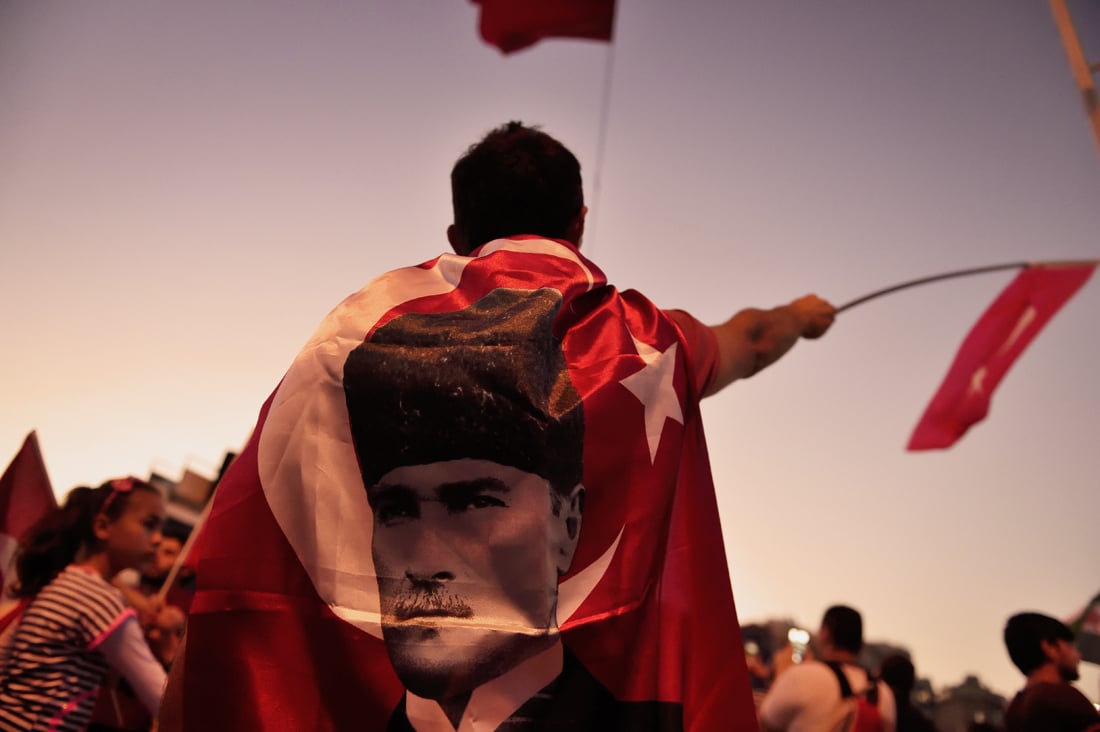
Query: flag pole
x=1082, y=71
x=185, y=550
x=601, y=142
x=932, y=278
x=162, y=593
x=964, y=273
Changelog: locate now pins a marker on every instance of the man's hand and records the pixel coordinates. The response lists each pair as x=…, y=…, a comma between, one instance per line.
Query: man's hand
x=815, y=314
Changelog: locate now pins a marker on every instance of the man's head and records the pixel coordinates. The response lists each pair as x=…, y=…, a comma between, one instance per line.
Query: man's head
x=1035, y=641
x=469, y=436
x=841, y=630
x=898, y=673
x=168, y=551
x=516, y=180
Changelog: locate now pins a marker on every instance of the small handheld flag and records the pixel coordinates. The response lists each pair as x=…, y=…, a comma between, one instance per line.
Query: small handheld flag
x=992, y=346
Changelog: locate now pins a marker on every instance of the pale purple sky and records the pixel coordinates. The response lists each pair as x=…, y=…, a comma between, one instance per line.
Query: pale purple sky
x=186, y=190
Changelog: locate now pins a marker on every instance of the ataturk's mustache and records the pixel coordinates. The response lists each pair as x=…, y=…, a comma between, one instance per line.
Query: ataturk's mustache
x=430, y=601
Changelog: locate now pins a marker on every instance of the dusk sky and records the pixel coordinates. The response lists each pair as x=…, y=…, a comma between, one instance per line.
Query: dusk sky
x=186, y=189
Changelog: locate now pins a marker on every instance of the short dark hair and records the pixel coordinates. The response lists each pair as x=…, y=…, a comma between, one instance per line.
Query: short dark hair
x=845, y=626
x=516, y=180
x=1024, y=634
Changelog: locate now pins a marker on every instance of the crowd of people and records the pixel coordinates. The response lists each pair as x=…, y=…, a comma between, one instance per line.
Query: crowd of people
x=87, y=637
x=824, y=686
x=460, y=428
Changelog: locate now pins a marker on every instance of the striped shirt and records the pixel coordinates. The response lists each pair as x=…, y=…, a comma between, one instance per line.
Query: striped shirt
x=51, y=673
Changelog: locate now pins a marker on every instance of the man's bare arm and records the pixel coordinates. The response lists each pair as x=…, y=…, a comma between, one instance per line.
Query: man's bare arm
x=754, y=339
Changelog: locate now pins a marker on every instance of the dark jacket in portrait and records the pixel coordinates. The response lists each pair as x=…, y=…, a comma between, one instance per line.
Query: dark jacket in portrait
x=576, y=701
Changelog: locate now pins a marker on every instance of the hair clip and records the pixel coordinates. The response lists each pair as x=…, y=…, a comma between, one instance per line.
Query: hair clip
x=118, y=485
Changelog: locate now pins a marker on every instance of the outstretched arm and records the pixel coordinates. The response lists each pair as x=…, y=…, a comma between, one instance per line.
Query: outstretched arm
x=754, y=339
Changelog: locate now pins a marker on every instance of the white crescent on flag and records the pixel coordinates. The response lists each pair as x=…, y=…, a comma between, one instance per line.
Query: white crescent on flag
x=307, y=461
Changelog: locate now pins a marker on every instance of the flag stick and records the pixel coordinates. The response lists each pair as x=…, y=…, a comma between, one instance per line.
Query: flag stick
x=185, y=549
x=963, y=273
x=1082, y=71
x=926, y=280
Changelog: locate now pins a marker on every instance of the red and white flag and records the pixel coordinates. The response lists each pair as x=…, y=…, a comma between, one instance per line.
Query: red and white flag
x=992, y=346
x=297, y=622
x=1086, y=627
x=512, y=25
x=25, y=497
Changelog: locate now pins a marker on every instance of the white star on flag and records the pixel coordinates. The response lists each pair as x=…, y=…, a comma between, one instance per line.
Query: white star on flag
x=653, y=387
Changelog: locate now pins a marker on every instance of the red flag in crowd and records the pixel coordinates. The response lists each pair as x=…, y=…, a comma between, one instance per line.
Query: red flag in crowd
x=511, y=25
x=991, y=347
x=1086, y=628
x=25, y=497
x=311, y=610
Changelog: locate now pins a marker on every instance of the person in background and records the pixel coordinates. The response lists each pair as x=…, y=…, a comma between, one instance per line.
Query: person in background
x=160, y=609
x=760, y=672
x=1042, y=648
x=808, y=696
x=78, y=626
x=898, y=673
x=162, y=617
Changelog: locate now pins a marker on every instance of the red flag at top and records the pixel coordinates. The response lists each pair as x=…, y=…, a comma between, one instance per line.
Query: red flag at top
x=511, y=25
x=25, y=496
x=992, y=346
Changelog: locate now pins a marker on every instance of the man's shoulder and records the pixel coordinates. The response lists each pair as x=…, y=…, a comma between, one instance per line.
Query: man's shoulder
x=803, y=679
x=815, y=678
x=800, y=693
x=1050, y=690
x=1048, y=700
x=808, y=670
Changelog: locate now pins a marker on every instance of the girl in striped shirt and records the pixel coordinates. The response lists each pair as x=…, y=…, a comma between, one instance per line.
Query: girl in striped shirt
x=77, y=625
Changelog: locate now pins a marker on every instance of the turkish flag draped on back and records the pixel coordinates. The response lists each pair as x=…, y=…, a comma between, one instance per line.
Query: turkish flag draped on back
x=284, y=631
x=512, y=25
x=992, y=346
x=25, y=497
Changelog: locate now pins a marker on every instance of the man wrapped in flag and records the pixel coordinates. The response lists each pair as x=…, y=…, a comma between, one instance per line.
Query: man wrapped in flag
x=480, y=498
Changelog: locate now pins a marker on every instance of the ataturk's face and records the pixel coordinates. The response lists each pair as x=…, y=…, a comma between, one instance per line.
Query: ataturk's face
x=468, y=554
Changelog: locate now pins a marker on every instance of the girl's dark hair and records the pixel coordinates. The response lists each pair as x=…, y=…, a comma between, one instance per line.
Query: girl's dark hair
x=52, y=543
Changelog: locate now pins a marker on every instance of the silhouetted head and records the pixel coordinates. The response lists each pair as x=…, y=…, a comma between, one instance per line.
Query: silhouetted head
x=516, y=180
x=1034, y=640
x=842, y=627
